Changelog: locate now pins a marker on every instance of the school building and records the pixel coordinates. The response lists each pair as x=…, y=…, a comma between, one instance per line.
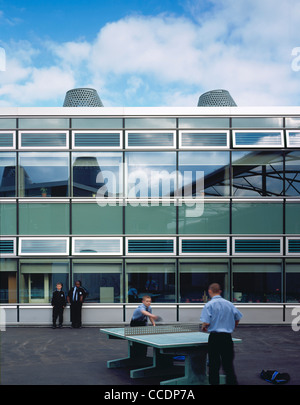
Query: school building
x=153, y=200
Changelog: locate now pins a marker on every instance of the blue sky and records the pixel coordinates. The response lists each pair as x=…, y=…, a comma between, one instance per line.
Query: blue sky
x=150, y=52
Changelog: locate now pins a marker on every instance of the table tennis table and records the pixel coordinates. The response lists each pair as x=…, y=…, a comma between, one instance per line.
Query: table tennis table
x=167, y=343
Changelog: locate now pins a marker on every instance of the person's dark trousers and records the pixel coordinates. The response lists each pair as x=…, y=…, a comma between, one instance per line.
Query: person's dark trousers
x=76, y=314
x=57, y=313
x=140, y=350
x=221, y=352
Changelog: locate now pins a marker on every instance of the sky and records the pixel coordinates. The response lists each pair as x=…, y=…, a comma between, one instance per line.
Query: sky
x=144, y=53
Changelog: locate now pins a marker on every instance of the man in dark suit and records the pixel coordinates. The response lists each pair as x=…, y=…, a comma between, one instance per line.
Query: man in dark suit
x=75, y=298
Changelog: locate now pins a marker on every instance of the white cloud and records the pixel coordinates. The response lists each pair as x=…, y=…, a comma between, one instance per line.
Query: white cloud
x=242, y=46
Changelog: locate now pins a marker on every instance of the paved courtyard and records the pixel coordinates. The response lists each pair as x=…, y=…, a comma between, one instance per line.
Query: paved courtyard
x=43, y=356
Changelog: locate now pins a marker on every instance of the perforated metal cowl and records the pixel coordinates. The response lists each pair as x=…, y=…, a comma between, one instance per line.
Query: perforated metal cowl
x=82, y=97
x=216, y=98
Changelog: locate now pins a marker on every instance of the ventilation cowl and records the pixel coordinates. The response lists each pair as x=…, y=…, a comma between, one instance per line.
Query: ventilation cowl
x=216, y=98
x=82, y=97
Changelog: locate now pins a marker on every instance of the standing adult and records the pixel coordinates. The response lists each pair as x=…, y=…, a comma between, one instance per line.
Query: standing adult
x=220, y=317
x=75, y=298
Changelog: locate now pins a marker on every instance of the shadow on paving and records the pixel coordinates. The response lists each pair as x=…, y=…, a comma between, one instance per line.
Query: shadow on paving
x=43, y=356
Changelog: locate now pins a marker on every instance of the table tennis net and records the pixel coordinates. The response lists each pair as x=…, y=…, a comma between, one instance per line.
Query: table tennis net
x=161, y=329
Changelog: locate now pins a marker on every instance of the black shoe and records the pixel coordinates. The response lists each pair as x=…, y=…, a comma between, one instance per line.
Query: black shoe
x=54, y=327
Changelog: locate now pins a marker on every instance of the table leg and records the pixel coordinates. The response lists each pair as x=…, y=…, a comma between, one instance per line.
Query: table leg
x=163, y=365
x=137, y=355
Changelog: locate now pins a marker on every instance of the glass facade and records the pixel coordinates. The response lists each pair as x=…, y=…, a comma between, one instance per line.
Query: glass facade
x=186, y=201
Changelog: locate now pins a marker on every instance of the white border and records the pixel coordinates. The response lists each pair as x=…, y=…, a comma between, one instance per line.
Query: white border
x=257, y=131
x=288, y=138
x=14, y=249
x=14, y=140
x=262, y=254
x=75, y=239
x=140, y=131
x=66, y=253
x=43, y=147
x=206, y=253
x=216, y=131
x=287, y=246
x=102, y=131
x=127, y=239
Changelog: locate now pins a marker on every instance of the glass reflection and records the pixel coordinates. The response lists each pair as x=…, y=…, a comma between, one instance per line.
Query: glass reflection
x=151, y=174
x=204, y=173
x=97, y=173
x=43, y=174
x=7, y=174
x=257, y=173
x=292, y=173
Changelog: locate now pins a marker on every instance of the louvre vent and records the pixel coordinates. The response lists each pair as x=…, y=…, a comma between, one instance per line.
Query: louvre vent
x=7, y=247
x=203, y=246
x=258, y=139
x=294, y=246
x=97, y=140
x=97, y=246
x=150, y=139
x=43, y=140
x=40, y=246
x=151, y=246
x=293, y=139
x=6, y=139
x=257, y=246
x=204, y=139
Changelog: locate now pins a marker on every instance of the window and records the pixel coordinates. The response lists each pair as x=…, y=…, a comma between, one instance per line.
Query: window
x=150, y=123
x=204, y=173
x=97, y=123
x=292, y=173
x=43, y=123
x=154, y=278
x=257, y=174
x=257, y=122
x=150, y=174
x=97, y=174
x=257, y=280
x=102, y=279
x=292, y=280
x=7, y=174
x=196, y=276
x=38, y=279
x=8, y=281
x=44, y=173
x=205, y=122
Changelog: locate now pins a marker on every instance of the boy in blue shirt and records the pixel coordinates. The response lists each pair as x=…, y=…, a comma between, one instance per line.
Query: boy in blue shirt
x=220, y=317
x=143, y=312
